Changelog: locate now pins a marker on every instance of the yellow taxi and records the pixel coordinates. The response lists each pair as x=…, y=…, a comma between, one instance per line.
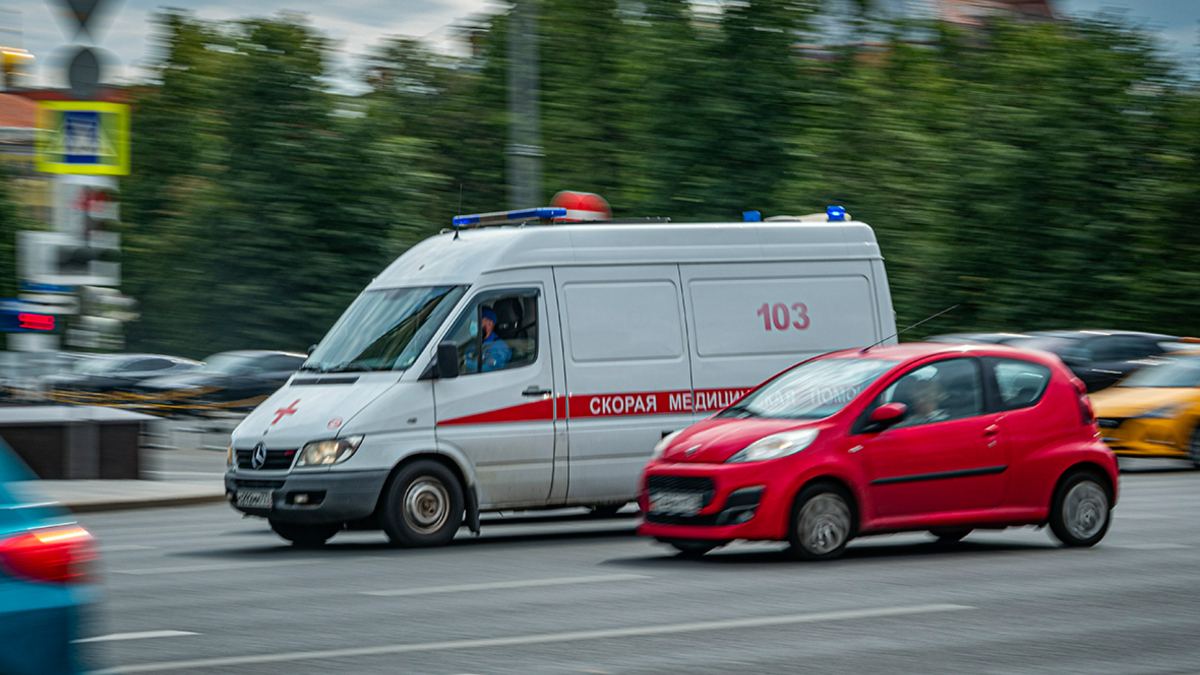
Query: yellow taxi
x=1154, y=411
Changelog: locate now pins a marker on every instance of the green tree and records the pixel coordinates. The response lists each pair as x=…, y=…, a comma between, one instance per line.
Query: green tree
x=584, y=122
x=1036, y=174
x=1015, y=171
x=758, y=100
x=288, y=204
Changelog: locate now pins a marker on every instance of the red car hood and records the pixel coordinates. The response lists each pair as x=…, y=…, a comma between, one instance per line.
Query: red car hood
x=716, y=440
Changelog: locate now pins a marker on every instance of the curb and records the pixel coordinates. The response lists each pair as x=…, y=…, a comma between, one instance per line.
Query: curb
x=134, y=504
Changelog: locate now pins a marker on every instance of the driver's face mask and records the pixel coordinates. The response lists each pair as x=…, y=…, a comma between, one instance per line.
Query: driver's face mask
x=474, y=328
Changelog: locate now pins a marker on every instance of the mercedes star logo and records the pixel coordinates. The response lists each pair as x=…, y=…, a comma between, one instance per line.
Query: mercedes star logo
x=259, y=457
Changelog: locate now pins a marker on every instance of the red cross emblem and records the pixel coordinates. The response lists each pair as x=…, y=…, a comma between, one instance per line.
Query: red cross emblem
x=282, y=412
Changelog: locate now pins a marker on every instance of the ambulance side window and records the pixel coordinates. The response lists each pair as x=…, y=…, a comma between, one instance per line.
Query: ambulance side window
x=512, y=342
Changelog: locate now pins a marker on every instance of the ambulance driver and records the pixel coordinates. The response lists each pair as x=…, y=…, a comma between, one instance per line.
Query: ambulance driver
x=495, y=352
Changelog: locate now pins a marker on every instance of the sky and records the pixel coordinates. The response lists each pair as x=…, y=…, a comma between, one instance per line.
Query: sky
x=124, y=28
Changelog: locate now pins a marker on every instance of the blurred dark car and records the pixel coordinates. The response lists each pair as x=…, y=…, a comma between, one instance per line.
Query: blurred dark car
x=240, y=379
x=976, y=338
x=46, y=584
x=117, y=372
x=1099, y=358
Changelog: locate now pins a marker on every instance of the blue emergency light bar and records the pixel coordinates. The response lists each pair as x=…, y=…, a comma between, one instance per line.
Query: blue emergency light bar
x=836, y=213
x=500, y=217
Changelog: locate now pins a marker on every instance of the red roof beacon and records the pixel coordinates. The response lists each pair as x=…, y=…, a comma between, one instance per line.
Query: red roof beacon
x=581, y=206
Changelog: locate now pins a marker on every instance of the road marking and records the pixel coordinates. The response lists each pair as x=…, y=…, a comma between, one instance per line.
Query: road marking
x=640, y=631
x=114, y=637
x=1150, y=547
x=1145, y=516
x=215, y=567
x=557, y=581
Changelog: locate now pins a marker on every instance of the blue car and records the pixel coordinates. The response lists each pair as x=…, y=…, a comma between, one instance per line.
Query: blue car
x=46, y=581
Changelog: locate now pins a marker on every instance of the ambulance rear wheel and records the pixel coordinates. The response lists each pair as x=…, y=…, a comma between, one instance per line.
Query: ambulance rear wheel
x=423, y=505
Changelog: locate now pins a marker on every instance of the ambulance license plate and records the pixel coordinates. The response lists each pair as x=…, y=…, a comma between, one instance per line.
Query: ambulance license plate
x=254, y=499
x=676, y=503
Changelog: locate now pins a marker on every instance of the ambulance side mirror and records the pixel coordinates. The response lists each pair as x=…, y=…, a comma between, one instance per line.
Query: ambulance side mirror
x=447, y=360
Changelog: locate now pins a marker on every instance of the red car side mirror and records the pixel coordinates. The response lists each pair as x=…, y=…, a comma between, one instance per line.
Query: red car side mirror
x=886, y=415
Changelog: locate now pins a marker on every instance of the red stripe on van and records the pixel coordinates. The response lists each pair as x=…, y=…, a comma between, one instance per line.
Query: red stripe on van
x=622, y=405
x=610, y=405
x=534, y=411
x=652, y=403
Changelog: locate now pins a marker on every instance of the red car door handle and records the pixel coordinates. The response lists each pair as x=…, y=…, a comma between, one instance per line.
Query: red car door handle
x=991, y=430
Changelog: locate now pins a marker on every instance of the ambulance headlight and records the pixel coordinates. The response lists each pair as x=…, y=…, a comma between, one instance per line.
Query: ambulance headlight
x=775, y=446
x=661, y=446
x=324, y=453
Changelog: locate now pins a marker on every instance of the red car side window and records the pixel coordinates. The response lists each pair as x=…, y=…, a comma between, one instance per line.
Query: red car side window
x=1020, y=383
x=936, y=392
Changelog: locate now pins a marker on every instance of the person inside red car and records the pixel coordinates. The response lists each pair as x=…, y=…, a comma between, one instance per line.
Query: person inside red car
x=923, y=399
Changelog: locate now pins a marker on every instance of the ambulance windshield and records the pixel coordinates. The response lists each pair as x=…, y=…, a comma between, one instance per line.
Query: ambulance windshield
x=384, y=329
x=811, y=390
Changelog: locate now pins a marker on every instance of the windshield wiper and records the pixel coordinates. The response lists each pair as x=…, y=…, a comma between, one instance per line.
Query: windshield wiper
x=311, y=369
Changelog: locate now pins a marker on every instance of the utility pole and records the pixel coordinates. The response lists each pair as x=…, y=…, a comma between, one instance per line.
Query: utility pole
x=524, y=147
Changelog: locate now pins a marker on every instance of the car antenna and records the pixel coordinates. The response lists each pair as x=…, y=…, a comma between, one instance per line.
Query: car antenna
x=864, y=350
x=459, y=210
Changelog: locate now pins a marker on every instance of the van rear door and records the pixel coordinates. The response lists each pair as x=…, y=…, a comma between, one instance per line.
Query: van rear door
x=628, y=375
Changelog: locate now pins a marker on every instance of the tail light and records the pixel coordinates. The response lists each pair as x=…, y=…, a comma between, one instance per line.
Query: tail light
x=1086, y=412
x=54, y=554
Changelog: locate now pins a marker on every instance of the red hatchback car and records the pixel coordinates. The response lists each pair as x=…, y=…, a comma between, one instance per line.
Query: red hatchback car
x=945, y=438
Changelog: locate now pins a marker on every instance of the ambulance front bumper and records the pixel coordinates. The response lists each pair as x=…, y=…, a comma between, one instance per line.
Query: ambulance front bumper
x=327, y=497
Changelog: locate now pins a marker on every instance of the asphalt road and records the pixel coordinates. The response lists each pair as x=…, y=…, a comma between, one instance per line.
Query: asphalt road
x=201, y=590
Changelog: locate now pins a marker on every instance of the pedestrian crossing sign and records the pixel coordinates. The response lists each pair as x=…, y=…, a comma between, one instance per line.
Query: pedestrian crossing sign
x=83, y=137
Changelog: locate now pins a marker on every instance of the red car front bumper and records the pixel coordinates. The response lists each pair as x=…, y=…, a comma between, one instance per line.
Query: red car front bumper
x=741, y=501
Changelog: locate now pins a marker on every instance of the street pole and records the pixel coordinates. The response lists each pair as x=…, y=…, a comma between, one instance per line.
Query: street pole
x=524, y=148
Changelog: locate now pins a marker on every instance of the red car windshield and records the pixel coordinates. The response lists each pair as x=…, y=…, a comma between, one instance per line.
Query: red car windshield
x=811, y=390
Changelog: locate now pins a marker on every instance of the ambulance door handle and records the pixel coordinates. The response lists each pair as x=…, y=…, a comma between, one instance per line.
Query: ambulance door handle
x=534, y=391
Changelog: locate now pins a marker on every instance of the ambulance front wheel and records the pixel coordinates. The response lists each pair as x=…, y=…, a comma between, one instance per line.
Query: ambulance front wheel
x=423, y=505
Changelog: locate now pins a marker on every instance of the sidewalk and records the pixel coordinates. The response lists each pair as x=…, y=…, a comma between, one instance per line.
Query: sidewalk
x=171, y=478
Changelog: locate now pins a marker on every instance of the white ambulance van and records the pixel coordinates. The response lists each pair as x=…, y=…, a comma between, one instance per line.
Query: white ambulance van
x=596, y=338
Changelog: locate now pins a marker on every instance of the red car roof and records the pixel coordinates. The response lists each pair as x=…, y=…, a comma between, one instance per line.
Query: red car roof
x=912, y=351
